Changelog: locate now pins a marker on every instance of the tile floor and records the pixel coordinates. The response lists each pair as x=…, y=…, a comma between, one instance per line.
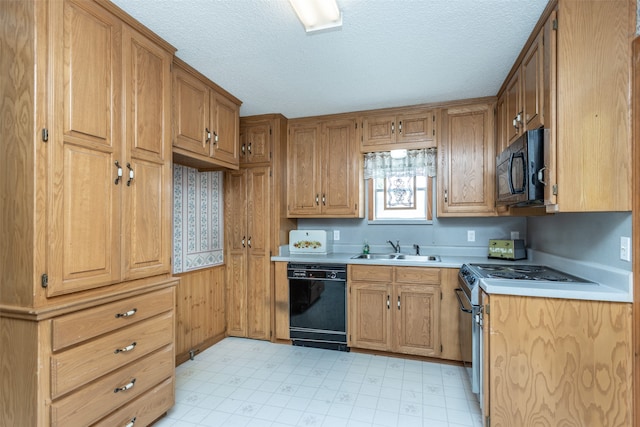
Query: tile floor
x=242, y=382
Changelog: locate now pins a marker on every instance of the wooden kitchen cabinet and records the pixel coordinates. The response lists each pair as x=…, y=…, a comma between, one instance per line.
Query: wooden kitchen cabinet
x=556, y=359
x=88, y=179
x=466, y=160
x=576, y=82
x=255, y=227
x=324, y=169
x=247, y=199
x=255, y=141
x=406, y=130
x=205, y=121
x=395, y=309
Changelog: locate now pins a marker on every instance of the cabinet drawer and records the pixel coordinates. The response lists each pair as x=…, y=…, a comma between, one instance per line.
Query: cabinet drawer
x=89, y=404
x=79, y=365
x=83, y=325
x=418, y=275
x=371, y=273
x=145, y=409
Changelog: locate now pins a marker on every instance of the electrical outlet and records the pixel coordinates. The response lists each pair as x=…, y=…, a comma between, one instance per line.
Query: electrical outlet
x=336, y=234
x=625, y=248
x=471, y=235
x=515, y=235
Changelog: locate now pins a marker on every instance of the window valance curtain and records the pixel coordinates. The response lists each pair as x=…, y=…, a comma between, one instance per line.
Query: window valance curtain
x=420, y=162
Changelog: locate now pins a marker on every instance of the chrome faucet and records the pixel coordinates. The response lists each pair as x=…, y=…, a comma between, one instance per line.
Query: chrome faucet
x=417, y=248
x=396, y=247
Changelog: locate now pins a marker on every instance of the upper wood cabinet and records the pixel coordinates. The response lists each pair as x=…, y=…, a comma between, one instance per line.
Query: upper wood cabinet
x=575, y=80
x=255, y=141
x=410, y=129
x=324, y=169
x=205, y=121
x=466, y=160
x=110, y=220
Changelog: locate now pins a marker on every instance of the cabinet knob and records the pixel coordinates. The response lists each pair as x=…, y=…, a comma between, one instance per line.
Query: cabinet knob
x=119, y=177
x=131, y=174
x=125, y=387
x=126, y=349
x=127, y=313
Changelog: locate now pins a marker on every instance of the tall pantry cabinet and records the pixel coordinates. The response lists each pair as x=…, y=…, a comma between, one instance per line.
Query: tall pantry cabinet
x=86, y=296
x=255, y=225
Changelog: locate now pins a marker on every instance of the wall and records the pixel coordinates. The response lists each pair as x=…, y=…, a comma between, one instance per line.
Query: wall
x=197, y=219
x=443, y=232
x=592, y=237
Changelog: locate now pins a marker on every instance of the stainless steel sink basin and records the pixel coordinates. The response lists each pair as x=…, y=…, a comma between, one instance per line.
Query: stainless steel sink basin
x=374, y=256
x=399, y=257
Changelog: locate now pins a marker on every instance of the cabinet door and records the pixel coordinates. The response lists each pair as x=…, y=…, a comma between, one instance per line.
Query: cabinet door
x=258, y=254
x=255, y=144
x=378, y=130
x=281, y=297
x=303, y=170
x=417, y=315
x=514, y=108
x=533, y=85
x=416, y=127
x=369, y=316
x=225, y=131
x=466, y=182
x=191, y=113
x=502, y=124
x=84, y=209
x=341, y=166
x=236, y=255
x=147, y=196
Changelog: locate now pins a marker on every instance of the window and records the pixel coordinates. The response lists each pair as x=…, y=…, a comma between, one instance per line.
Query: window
x=400, y=189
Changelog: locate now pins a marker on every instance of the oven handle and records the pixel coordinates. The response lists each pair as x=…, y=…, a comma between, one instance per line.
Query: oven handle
x=466, y=310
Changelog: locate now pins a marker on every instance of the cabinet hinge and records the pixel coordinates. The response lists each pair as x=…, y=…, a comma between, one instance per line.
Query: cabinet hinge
x=356, y=125
x=45, y=135
x=555, y=24
x=270, y=155
x=441, y=348
x=555, y=189
x=434, y=132
x=486, y=309
x=44, y=280
x=270, y=173
x=269, y=131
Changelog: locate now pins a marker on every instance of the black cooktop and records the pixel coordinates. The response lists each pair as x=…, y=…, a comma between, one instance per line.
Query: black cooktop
x=523, y=272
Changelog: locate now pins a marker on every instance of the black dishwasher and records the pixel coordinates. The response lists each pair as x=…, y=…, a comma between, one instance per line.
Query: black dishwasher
x=318, y=305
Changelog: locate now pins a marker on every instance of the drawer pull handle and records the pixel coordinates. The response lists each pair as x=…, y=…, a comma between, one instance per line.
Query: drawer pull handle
x=131, y=422
x=125, y=349
x=125, y=387
x=126, y=314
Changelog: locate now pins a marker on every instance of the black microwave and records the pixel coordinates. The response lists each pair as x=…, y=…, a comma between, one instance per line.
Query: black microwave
x=520, y=169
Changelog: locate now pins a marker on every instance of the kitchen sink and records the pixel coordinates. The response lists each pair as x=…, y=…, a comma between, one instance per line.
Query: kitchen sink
x=399, y=257
x=374, y=256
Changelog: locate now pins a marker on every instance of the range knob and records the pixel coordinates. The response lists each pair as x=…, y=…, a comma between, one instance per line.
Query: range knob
x=333, y=275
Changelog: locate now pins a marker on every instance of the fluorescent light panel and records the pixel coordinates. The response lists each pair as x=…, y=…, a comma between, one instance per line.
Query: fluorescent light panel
x=317, y=15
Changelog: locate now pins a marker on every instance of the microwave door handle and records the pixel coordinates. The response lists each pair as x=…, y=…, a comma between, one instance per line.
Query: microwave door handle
x=524, y=174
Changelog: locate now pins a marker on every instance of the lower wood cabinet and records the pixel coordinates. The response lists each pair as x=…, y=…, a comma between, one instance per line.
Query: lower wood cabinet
x=102, y=362
x=554, y=360
x=394, y=309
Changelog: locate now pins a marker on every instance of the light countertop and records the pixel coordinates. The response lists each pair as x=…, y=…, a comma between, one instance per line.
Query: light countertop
x=602, y=283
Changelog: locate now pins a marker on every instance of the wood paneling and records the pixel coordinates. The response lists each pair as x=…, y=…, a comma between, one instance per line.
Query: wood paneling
x=200, y=311
x=555, y=361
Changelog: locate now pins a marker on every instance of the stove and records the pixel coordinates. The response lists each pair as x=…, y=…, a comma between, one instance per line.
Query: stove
x=470, y=274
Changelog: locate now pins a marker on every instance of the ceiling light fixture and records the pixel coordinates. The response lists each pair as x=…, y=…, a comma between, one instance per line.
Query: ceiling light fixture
x=317, y=15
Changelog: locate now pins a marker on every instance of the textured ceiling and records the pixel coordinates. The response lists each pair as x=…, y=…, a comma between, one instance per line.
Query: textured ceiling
x=388, y=53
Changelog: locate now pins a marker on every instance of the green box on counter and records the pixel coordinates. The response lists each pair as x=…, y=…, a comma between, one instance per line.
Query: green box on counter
x=507, y=249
